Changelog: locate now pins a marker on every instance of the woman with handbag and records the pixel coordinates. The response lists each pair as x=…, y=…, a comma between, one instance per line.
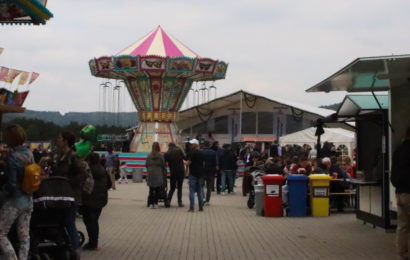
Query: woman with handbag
x=18, y=205
x=156, y=175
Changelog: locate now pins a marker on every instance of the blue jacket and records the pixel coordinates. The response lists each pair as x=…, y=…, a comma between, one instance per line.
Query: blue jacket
x=210, y=161
x=19, y=198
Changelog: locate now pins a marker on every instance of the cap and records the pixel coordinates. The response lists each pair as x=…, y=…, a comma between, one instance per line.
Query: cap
x=193, y=141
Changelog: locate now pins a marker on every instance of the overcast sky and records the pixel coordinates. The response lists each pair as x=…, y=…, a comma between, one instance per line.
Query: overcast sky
x=274, y=48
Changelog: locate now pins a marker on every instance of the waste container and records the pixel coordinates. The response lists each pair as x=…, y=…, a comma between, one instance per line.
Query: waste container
x=137, y=175
x=259, y=199
x=297, y=187
x=319, y=194
x=273, y=195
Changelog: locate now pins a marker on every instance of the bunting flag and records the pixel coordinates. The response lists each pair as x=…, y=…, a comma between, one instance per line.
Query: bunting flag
x=24, y=77
x=34, y=76
x=13, y=73
x=3, y=73
x=19, y=98
x=1, y=50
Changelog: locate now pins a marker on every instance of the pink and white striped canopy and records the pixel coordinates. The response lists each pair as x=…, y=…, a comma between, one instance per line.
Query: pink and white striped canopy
x=159, y=43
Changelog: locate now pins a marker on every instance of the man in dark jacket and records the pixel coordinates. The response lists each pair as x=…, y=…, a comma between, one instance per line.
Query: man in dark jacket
x=93, y=203
x=196, y=168
x=175, y=159
x=219, y=152
x=227, y=164
x=400, y=178
x=209, y=169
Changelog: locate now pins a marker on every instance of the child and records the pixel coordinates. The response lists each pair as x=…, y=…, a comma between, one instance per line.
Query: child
x=123, y=173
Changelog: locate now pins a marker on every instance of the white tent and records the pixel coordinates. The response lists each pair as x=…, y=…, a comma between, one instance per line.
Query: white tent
x=337, y=136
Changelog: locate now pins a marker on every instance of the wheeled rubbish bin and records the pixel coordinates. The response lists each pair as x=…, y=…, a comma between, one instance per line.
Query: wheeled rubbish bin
x=273, y=195
x=297, y=187
x=319, y=194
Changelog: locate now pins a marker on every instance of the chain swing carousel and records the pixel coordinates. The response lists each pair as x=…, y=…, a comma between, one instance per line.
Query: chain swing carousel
x=158, y=71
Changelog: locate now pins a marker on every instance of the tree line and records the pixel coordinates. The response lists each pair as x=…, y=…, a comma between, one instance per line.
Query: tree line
x=39, y=130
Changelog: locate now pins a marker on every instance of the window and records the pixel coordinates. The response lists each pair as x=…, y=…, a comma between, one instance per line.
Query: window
x=265, y=122
x=249, y=123
x=221, y=125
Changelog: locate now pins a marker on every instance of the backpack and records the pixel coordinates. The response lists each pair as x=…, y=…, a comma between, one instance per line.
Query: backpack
x=89, y=180
x=32, y=174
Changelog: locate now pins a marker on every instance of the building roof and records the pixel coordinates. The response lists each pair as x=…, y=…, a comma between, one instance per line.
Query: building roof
x=368, y=74
x=158, y=43
x=236, y=96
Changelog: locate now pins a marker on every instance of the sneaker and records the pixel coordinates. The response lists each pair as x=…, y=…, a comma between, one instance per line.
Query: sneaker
x=223, y=193
x=152, y=206
x=201, y=209
x=180, y=205
x=207, y=203
x=155, y=206
x=88, y=246
x=190, y=210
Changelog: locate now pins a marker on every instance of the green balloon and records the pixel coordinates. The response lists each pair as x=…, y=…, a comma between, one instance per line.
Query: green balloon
x=83, y=148
x=89, y=132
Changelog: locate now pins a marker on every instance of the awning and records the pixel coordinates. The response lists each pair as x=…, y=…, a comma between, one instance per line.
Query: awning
x=355, y=105
x=368, y=74
x=259, y=139
x=24, y=12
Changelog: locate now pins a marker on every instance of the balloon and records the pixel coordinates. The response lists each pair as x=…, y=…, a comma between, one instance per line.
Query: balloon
x=83, y=148
x=89, y=133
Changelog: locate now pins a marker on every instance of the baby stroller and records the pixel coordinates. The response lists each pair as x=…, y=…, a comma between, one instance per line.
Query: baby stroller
x=162, y=197
x=49, y=237
x=256, y=174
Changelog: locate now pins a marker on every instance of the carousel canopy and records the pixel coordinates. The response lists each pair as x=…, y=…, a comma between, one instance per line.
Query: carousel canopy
x=159, y=43
x=24, y=12
x=158, y=55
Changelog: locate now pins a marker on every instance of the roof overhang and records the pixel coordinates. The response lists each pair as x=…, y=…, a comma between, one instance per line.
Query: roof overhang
x=368, y=74
x=24, y=12
x=359, y=105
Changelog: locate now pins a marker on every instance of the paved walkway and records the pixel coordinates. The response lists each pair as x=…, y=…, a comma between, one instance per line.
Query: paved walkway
x=227, y=230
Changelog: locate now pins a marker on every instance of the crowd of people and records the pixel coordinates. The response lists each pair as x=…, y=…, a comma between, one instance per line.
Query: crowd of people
x=16, y=205
x=207, y=166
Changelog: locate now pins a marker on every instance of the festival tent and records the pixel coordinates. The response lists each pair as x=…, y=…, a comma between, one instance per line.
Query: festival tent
x=337, y=136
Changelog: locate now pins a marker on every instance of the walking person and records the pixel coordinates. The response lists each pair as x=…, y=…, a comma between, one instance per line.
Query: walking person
x=196, y=166
x=175, y=159
x=18, y=205
x=209, y=169
x=400, y=178
x=94, y=203
x=109, y=165
x=123, y=173
x=227, y=164
x=219, y=151
x=156, y=175
x=69, y=165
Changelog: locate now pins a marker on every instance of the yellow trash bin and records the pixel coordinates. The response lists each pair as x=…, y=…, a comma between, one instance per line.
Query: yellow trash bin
x=319, y=194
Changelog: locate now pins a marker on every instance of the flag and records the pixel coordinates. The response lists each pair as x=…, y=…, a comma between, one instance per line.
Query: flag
x=1, y=50
x=24, y=77
x=13, y=73
x=34, y=76
x=3, y=73
x=19, y=98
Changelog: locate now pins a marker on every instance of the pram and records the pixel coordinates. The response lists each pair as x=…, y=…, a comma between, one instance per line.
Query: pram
x=48, y=236
x=162, y=197
x=256, y=174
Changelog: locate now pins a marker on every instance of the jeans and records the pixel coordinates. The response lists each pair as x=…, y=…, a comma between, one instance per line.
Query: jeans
x=227, y=174
x=403, y=225
x=195, y=185
x=176, y=181
x=90, y=218
x=69, y=224
x=208, y=181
